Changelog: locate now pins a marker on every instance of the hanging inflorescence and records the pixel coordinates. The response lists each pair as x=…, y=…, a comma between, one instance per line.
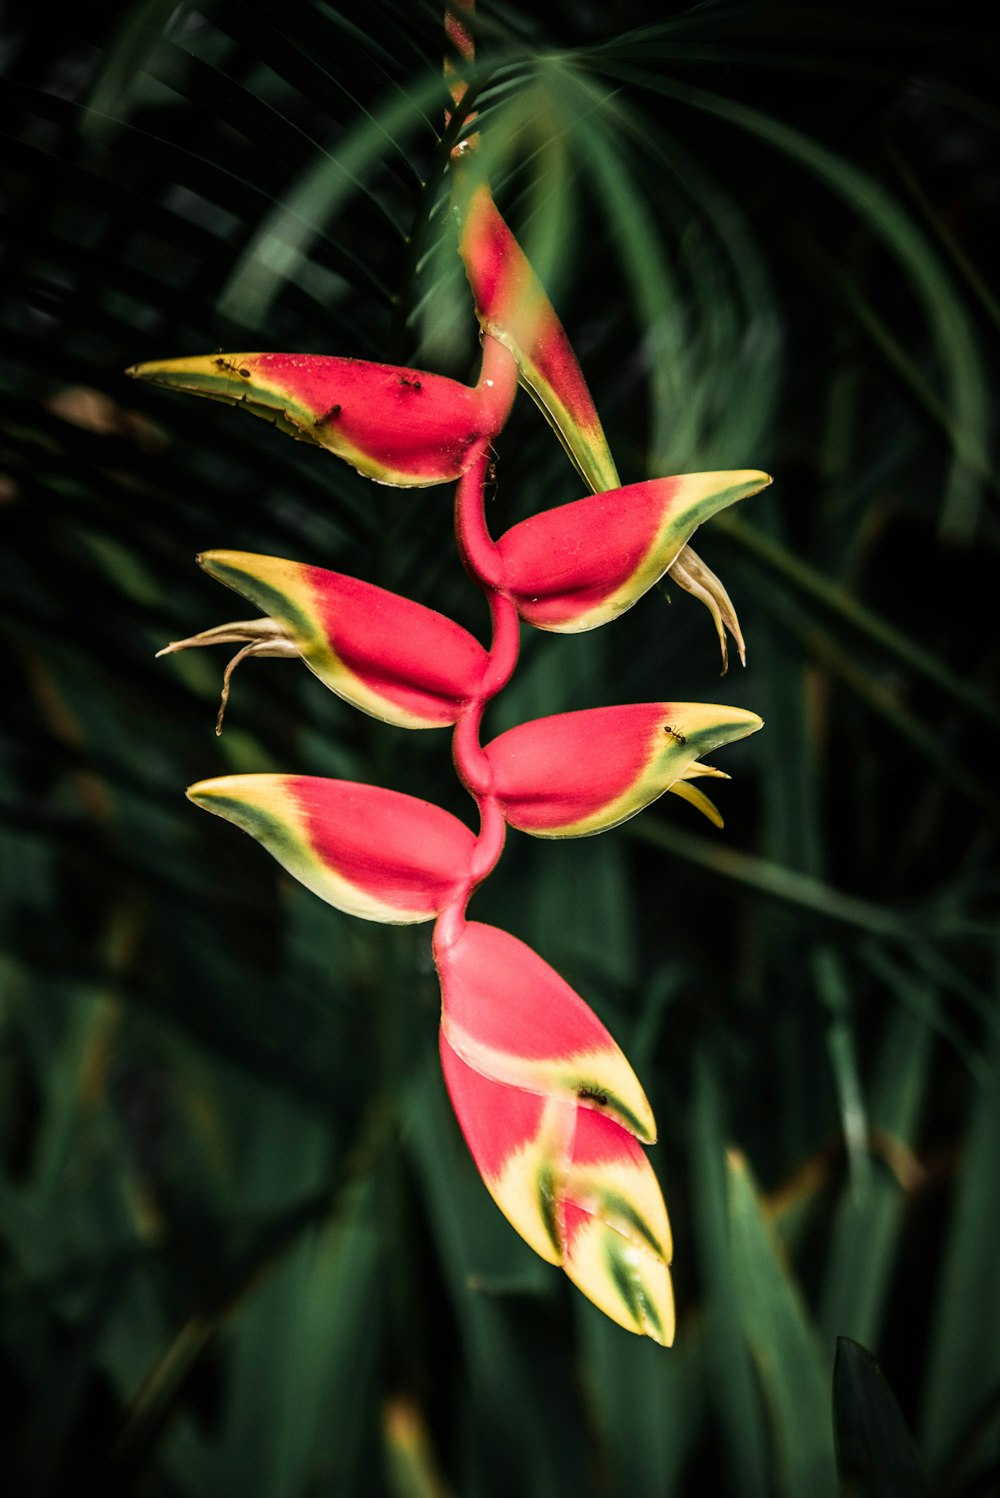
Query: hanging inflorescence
x=551, y=1109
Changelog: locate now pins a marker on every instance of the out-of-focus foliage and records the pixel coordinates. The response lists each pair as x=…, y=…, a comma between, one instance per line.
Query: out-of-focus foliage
x=244, y=1250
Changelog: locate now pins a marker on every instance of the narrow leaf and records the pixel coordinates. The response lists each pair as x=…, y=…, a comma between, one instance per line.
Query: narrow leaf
x=783, y=1344
x=875, y=1455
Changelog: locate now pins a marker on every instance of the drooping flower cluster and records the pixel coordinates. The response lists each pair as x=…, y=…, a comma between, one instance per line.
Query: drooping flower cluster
x=552, y=1112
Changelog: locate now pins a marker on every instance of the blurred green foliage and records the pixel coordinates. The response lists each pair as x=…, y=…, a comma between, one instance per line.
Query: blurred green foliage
x=244, y=1249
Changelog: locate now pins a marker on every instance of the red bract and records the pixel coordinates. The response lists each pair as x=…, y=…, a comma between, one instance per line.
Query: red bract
x=397, y=426
x=509, y=1015
x=579, y=773
x=512, y=307
x=368, y=851
x=393, y=658
x=580, y=565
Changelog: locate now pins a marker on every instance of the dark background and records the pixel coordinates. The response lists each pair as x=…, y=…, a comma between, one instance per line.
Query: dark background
x=244, y=1249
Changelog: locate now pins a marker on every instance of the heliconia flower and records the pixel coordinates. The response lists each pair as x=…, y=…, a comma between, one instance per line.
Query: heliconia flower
x=549, y=1106
x=397, y=426
x=578, y=566
x=368, y=851
x=579, y=773
x=393, y=658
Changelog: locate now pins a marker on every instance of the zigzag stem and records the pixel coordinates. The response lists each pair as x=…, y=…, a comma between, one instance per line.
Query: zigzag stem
x=483, y=563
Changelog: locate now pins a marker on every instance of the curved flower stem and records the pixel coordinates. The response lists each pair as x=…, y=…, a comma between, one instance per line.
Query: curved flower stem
x=479, y=552
x=504, y=648
x=485, y=565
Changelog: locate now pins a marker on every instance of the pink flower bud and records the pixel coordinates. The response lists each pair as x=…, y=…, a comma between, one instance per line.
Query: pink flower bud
x=368, y=851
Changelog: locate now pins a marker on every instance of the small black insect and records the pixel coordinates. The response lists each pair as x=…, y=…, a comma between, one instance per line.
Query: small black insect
x=410, y=384
x=677, y=737
x=592, y=1095
x=233, y=368
x=491, y=475
x=329, y=415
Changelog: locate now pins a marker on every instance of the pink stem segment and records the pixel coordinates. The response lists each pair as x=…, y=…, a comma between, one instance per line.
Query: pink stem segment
x=497, y=383
x=485, y=565
x=496, y=388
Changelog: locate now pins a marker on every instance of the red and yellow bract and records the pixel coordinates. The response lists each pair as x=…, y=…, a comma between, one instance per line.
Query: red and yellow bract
x=512, y=307
x=583, y=564
x=370, y=852
x=580, y=773
x=509, y=1015
x=394, y=659
x=397, y=426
